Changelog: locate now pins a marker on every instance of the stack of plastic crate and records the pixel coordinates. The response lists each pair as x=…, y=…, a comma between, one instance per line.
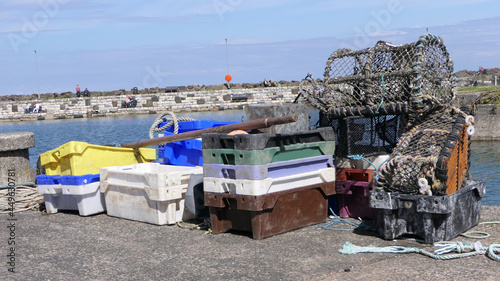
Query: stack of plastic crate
x=71, y=179
x=147, y=192
x=268, y=184
x=79, y=193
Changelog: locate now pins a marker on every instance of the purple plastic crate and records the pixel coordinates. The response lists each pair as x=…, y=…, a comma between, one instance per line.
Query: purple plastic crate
x=354, y=199
x=271, y=170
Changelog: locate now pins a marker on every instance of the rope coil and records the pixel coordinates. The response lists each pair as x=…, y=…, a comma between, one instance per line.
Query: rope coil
x=172, y=120
x=26, y=198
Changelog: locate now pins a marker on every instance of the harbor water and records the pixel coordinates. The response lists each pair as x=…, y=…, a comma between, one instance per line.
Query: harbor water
x=50, y=134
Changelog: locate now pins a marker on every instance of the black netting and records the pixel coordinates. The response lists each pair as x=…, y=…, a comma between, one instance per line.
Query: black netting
x=367, y=136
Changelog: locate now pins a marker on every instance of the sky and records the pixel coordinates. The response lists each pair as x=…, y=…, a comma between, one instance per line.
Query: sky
x=50, y=46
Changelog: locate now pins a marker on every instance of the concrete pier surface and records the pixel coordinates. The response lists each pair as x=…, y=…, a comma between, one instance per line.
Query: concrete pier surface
x=66, y=246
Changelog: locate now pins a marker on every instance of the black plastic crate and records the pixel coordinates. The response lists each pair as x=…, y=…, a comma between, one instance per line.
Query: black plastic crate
x=265, y=140
x=431, y=218
x=367, y=136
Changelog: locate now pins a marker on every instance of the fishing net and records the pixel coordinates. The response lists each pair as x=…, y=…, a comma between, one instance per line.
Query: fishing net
x=384, y=79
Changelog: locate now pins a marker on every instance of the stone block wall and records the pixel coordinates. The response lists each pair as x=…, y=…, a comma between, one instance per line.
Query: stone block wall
x=487, y=125
x=146, y=103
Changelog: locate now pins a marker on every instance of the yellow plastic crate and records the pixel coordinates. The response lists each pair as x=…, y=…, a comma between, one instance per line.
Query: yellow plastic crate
x=80, y=158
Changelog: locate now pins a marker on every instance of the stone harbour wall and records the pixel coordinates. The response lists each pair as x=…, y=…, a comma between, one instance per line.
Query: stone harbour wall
x=189, y=101
x=487, y=123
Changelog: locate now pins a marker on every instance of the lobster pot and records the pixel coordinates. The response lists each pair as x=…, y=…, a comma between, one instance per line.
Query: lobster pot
x=384, y=79
x=367, y=136
x=432, y=156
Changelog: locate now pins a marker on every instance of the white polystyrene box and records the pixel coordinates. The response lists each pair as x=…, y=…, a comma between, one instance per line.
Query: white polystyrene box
x=268, y=185
x=87, y=199
x=147, y=192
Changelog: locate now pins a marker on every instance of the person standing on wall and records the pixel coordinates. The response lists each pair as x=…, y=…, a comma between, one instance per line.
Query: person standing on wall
x=77, y=91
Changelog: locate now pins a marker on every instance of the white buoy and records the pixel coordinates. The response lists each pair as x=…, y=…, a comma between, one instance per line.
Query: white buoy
x=424, y=185
x=471, y=130
x=469, y=120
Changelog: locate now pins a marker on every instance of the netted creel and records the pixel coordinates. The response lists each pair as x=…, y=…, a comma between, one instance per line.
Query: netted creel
x=433, y=152
x=385, y=79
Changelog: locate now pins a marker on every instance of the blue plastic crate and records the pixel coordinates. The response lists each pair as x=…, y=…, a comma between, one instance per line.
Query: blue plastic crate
x=69, y=192
x=188, y=126
x=79, y=180
x=181, y=153
x=48, y=180
x=187, y=152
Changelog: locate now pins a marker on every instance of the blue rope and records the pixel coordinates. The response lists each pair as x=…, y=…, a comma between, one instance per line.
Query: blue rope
x=381, y=105
x=332, y=222
x=360, y=157
x=446, y=248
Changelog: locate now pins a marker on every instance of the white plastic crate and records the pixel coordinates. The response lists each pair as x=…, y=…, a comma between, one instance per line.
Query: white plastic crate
x=268, y=185
x=147, y=192
x=87, y=199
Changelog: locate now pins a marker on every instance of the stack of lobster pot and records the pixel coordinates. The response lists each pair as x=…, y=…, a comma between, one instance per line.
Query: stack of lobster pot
x=268, y=184
x=398, y=135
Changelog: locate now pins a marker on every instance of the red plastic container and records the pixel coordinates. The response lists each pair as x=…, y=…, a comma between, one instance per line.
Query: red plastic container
x=351, y=174
x=354, y=199
x=269, y=214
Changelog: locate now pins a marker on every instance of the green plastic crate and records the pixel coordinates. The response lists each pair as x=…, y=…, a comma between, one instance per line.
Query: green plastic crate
x=268, y=155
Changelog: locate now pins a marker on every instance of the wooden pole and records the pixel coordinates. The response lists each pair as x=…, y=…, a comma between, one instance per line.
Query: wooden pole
x=245, y=126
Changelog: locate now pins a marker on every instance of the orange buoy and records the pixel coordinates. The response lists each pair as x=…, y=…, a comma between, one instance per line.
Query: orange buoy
x=237, y=132
x=228, y=78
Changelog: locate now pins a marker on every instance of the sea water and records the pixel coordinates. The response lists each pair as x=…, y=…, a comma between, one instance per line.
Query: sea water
x=50, y=134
